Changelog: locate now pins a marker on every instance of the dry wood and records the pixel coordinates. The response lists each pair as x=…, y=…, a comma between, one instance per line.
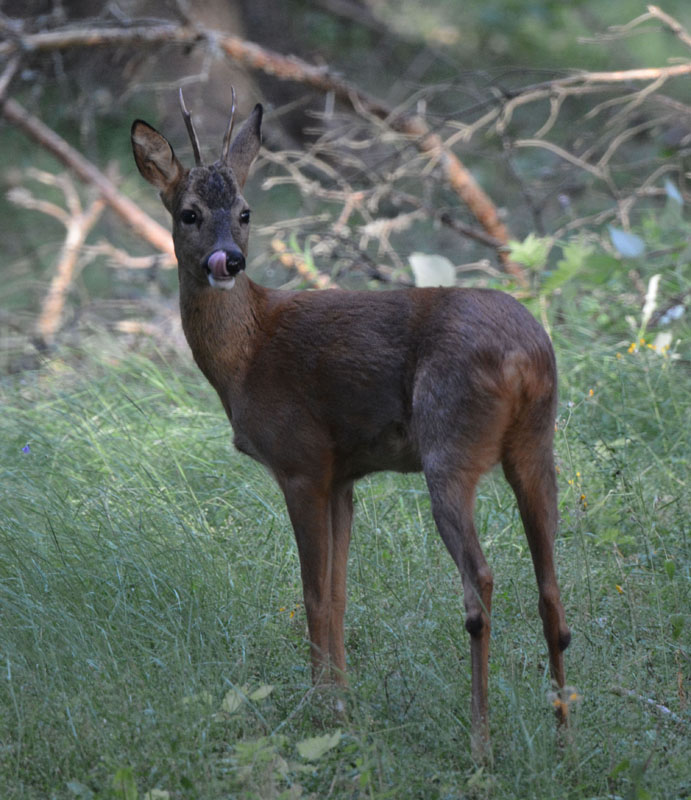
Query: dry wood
x=78, y=228
x=143, y=224
x=295, y=69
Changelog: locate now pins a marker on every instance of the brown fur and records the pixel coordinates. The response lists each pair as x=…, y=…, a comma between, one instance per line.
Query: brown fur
x=325, y=387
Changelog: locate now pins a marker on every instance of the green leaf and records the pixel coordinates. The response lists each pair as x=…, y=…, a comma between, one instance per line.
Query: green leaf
x=261, y=693
x=432, y=270
x=677, y=626
x=575, y=255
x=314, y=748
x=601, y=266
x=234, y=699
x=670, y=568
x=124, y=785
x=624, y=764
x=532, y=252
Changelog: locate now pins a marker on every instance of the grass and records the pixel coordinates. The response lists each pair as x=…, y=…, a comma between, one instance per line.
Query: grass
x=152, y=638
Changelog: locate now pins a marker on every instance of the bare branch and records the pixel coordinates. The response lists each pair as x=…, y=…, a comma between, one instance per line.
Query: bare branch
x=296, y=261
x=294, y=69
x=21, y=196
x=675, y=26
x=54, y=302
x=144, y=225
x=554, y=148
x=434, y=147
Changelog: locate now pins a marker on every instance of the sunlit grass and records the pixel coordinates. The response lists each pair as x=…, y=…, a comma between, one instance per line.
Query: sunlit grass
x=147, y=570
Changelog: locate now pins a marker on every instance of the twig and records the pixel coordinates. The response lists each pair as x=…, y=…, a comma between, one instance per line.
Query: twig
x=21, y=196
x=292, y=260
x=120, y=259
x=554, y=148
x=675, y=26
x=78, y=228
x=666, y=712
x=7, y=75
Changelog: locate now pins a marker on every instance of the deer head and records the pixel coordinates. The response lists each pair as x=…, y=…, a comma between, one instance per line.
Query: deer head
x=210, y=215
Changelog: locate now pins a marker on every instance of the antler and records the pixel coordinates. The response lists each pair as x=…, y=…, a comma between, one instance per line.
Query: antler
x=190, y=129
x=229, y=131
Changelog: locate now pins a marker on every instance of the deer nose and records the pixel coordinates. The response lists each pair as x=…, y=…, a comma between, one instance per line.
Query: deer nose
x=225, y=264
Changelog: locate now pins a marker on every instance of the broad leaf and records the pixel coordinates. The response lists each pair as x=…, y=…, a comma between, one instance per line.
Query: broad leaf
x=673, y=193
x=314, y=748
x=432, y=270
x=626, y=244
x=234, y=699
x=260, y=693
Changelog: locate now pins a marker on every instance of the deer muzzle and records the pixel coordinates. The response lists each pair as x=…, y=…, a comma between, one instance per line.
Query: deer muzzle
x=223, y=265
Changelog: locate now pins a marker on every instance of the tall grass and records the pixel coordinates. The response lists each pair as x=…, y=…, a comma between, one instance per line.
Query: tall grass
x=152, y=638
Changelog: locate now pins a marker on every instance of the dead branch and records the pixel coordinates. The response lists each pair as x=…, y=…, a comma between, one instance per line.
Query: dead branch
x=54, y=302
x=128, y=210
x=120, y=259
x=301, y=265
x=648, y=701
x=428, y=141
x=294, y=69
x=78, y=223
x=675, y=26
x=21, y=196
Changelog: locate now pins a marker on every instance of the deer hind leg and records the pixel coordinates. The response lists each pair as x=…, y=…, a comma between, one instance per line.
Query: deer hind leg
x=341, y=521
x=453, y=498
x=309, y=508
x=528, y=464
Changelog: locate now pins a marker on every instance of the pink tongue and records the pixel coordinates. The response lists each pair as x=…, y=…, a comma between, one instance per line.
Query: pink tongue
x=217, y=265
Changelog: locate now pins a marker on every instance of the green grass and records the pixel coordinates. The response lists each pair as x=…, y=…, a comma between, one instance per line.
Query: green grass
x=149, y=586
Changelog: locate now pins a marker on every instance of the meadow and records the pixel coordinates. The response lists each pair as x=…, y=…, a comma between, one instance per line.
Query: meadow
x=153, y=639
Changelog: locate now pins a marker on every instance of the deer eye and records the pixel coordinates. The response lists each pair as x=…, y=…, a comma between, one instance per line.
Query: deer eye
x=188, y=217
x=245, y=216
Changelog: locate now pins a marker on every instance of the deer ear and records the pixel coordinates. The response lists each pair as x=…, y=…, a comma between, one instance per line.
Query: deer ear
x=154, y=157
x=246, y=145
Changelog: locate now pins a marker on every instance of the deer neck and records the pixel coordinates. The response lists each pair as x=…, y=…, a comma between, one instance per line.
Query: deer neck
x=221, y=326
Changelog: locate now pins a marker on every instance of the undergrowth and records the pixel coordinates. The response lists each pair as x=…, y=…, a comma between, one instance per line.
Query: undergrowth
x=152, y=634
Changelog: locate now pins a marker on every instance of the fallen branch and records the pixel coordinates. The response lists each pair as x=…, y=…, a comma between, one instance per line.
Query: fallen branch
x=54, y=302
x=129, y=211
x=77, y=224
x=666, y=712
x=294, y=69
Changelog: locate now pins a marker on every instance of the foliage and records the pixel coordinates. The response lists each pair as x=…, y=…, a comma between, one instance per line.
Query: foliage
x=606, y=277
x=153, y=640
x=153, y=636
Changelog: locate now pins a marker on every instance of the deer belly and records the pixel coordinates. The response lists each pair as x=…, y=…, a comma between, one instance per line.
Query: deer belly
x=392, y=448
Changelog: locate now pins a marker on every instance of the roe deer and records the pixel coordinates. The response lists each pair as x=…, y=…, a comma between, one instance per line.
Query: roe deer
x=324, y=387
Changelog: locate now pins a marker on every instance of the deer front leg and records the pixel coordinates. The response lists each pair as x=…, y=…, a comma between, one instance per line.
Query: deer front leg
x=309, y=510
